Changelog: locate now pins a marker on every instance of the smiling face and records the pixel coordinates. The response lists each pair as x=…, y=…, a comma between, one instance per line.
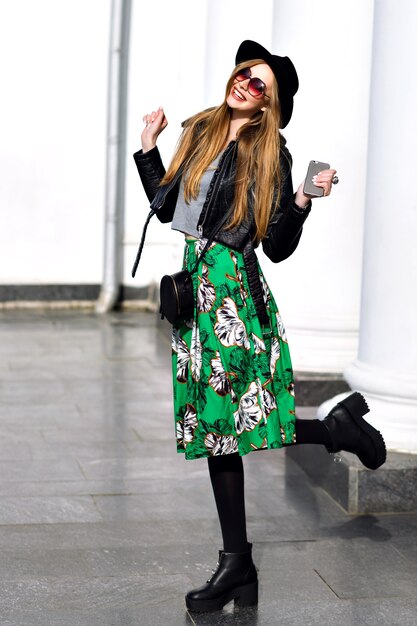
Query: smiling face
x=241, y=101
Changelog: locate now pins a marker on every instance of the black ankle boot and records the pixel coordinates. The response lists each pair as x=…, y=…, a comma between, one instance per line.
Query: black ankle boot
x=234, y=578
x=349, y=431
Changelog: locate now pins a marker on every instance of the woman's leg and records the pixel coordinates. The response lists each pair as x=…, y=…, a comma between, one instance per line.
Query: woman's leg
x=235, y=577
x=227, y=479
x=311, y=431
x=344, y=428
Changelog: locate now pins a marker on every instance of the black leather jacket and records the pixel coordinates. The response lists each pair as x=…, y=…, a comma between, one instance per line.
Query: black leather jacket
x=285, y=226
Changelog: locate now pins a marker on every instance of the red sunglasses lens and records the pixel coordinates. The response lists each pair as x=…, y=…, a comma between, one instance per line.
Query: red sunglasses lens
x=243, y=75
x=256, y=87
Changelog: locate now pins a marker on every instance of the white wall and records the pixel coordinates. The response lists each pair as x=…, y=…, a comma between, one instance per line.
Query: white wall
x=53, y=58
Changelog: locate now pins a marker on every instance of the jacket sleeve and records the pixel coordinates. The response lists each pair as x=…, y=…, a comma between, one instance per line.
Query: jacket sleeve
x=286, y=224
x=151, y=170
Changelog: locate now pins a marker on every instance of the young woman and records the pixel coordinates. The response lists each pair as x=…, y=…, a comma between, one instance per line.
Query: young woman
x=232, y=374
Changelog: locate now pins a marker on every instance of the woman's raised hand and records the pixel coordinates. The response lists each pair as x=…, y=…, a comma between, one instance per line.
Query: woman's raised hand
x=155, y=123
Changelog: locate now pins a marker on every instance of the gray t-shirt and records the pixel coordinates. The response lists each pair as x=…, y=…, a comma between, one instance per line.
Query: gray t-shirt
x=186, y=216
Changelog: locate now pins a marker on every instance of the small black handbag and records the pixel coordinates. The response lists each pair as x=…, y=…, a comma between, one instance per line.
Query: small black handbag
x=176, y=297
x=176, y=290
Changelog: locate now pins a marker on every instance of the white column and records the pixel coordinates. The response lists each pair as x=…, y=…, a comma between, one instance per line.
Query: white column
x=318, y=288
x=386, y=367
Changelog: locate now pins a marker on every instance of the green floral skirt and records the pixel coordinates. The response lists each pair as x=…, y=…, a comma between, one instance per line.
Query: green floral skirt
x=233, y=380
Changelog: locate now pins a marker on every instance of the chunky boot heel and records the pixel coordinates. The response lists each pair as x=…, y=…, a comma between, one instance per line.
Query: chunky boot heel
x=235, y=578
x=349, y=431
x=248, y=595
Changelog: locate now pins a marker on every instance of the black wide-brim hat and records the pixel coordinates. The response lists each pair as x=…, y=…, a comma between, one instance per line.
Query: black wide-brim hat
x=284, y=72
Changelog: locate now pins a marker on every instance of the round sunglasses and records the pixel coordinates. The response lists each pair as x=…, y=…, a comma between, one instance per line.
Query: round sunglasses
x=256, y=87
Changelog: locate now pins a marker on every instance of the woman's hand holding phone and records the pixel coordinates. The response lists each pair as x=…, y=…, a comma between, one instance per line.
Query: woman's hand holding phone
x=317, y=183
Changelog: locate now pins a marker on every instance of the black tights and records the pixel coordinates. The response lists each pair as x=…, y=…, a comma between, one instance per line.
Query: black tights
x=227, y=479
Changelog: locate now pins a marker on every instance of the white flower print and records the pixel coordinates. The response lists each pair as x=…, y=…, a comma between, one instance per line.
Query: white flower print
x=196, y=353
x=239, y=278
x=249, y=413
x=275, y=354
x=180, y=432
x=187, y=426
x=219, y=380
x=229, y=328
x=265, y=290
x=183, y=356
x=174, y=339
x=190, y=424
x=281, y=329
x=258, y=344
x=206, y=294
x=290, y=389
x=269, y=402
x=220, y=444
x=199, y=245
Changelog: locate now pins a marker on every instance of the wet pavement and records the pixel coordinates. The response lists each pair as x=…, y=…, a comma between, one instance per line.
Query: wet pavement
x=103, y=523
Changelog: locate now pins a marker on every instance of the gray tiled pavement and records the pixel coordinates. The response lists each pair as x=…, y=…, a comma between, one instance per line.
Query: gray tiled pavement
x=102, y=523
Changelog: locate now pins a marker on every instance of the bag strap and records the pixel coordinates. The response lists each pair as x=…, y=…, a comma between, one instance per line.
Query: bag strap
x=210, y=241
x=202, y=253
x=142, y=242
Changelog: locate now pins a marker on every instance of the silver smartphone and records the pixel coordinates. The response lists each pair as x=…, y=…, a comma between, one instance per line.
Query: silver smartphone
x=310, y=189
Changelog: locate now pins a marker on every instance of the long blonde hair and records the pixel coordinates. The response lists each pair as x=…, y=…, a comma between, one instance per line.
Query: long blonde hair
x=203, y=139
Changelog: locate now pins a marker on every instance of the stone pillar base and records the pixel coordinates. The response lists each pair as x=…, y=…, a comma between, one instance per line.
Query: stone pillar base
x=391, y=488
